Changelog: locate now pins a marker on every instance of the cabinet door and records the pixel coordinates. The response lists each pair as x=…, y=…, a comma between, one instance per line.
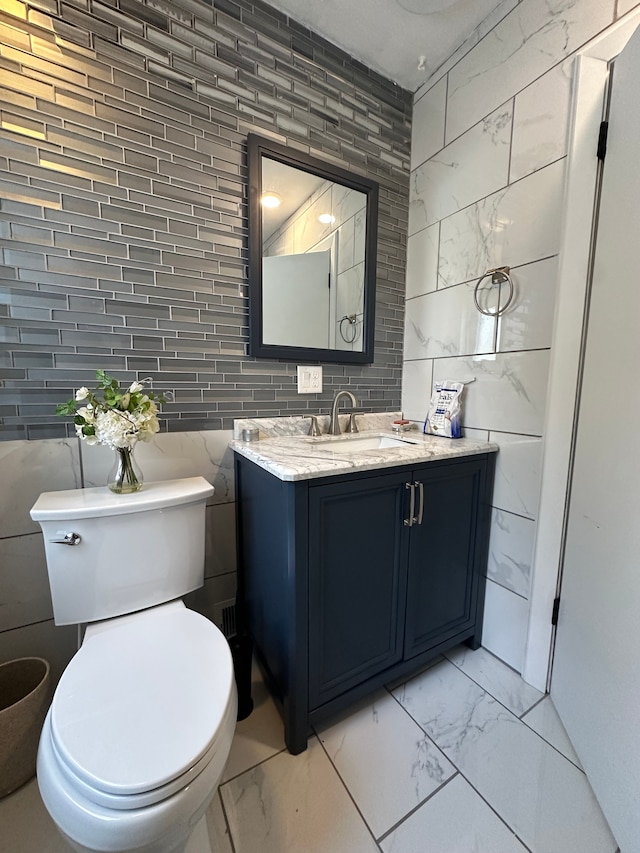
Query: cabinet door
x=358, y=548
x=442, y=586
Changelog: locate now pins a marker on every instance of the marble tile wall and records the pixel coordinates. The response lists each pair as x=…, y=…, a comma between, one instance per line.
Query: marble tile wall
x=489, y=144
x=31, y=467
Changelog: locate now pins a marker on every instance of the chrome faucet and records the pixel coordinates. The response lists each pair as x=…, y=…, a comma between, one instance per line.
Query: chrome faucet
x=334, y=425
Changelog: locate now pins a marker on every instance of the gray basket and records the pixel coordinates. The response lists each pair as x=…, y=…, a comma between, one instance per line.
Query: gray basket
x=24, y=699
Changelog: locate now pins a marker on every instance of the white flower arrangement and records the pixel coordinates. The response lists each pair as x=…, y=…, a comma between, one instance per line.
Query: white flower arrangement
x=117, y=420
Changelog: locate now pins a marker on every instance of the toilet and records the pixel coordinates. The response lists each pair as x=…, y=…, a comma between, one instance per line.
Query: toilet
x=140, y=727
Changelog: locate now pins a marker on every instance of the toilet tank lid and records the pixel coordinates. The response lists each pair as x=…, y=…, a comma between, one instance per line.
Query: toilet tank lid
x=98, y=502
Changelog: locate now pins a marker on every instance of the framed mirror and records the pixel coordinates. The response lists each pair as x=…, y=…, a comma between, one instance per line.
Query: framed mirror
x=312, y=257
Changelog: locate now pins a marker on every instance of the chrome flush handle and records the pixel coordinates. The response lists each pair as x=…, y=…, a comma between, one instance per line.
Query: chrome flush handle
x=67, y=538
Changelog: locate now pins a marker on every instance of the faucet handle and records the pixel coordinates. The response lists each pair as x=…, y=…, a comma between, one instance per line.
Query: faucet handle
x=352, y=426
x=314, y=428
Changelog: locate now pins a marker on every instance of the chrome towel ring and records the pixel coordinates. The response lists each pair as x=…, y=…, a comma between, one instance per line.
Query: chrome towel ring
x=498, y=276
x=350, y=337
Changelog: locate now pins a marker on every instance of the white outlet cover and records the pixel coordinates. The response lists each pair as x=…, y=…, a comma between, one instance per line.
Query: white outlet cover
x=309, y=379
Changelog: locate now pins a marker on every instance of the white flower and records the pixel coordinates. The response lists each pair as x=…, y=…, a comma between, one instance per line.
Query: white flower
x=116, y=425
x=116, y=429
x=149, y=428
x=87, y=412
x=89, y=415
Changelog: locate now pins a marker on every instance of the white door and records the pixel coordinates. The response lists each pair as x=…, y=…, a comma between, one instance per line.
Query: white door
x=596, y=670
x=295, y=299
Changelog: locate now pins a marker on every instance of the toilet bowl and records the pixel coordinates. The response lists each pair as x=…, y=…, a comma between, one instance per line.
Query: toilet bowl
x=139, y=730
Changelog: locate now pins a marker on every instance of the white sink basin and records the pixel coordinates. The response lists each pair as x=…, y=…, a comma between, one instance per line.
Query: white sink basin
x=356, y=443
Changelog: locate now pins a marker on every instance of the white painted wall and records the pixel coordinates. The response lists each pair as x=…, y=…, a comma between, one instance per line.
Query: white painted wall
x=489, y=146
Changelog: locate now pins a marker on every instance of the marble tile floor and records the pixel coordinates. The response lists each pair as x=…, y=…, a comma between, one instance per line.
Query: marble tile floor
x=463, y=758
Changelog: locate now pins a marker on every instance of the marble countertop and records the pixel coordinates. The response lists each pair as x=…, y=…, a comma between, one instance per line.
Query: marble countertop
x=291, y=455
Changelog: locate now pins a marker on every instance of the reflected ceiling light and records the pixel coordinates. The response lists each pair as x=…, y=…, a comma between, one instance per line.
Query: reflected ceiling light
x=270, y=199
x=326, y=219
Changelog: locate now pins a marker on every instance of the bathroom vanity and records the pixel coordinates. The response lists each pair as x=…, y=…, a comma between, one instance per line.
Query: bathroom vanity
x=358, y=565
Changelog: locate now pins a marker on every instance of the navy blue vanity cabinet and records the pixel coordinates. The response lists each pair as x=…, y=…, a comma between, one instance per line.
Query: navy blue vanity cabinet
x=358, y=548
x=443, y=590
x=344, y=589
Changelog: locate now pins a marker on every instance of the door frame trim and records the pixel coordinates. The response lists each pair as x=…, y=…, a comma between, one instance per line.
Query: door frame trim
x=590, y=73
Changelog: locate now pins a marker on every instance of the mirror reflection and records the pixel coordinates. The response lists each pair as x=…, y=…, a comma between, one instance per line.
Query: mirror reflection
x=312, y=257
x=313, y=253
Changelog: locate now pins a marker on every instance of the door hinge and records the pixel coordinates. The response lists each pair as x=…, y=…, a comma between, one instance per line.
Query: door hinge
x=602, y=140
x=554, y=612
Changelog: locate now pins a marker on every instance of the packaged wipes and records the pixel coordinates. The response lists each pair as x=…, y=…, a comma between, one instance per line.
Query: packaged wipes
x=443, y=417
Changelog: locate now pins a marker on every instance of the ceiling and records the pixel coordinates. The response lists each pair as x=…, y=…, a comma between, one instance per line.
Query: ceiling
x=404, y=40
x=292, y=186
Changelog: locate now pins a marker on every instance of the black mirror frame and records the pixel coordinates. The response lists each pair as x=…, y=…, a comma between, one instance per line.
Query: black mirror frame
x=259, y=147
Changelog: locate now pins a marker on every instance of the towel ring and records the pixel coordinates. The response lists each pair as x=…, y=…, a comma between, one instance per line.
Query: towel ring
x=498, y=276
x=353, y=322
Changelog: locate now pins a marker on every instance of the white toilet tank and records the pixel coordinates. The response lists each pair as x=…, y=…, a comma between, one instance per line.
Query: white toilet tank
x=110, y=554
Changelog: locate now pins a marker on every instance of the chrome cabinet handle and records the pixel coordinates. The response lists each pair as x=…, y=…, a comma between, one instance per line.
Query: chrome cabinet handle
x=421, y=507
x=408, y=522
x=67, y=539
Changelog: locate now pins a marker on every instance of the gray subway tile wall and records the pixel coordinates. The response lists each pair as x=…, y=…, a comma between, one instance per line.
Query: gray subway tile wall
x=123, y=201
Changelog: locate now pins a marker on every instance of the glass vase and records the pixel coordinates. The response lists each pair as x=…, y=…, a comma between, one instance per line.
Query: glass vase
x=125, y=476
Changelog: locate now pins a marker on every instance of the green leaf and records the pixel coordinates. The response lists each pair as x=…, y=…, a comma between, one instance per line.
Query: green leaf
x=79, y=420
x=88, y=430
x=68, y=408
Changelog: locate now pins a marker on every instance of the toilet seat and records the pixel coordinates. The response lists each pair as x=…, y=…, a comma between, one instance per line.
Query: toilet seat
x=134, y=801
x=137, y=712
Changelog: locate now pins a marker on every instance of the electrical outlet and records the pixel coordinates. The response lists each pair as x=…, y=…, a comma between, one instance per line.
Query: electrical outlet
x=309, y=379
